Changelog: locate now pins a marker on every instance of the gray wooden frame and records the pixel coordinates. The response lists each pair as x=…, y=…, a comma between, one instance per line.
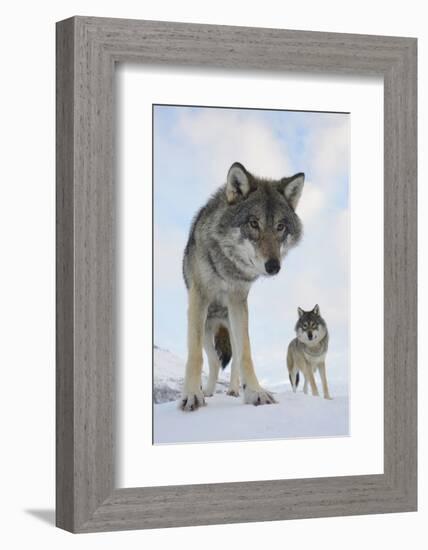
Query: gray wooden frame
x=87, y=50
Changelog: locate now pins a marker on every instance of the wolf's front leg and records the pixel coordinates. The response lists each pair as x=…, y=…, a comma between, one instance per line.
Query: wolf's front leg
x=311, y=378
x=213, y=362
x=233, y=388
x=238, y=316
x=305, y=386
x=326, y=393
x=193, y=396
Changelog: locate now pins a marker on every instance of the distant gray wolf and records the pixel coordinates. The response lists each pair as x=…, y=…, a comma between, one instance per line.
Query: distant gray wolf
x=307, y=352
x=244, y=231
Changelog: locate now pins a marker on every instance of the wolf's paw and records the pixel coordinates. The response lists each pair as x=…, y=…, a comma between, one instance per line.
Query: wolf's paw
x=209, y=391
x=258, y=397
x=190, y=401
x=328, y=397
x=233, y=392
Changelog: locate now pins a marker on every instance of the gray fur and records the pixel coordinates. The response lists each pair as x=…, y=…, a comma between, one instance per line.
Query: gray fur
x=307, y=352
x=220, y=229
x=311, y=322
x=246, y=224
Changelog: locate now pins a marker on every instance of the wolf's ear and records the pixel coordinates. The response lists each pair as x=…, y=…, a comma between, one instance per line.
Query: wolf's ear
x=316, y=310
x=300, y=312
x=239, y=183
x=292, y=188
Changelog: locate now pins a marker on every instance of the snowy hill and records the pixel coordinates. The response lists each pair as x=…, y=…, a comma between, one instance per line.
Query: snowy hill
x=227, y=418
x=168, y=376
x=168, y=373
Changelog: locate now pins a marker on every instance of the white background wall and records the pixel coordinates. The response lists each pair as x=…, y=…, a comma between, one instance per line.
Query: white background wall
x=27, y=270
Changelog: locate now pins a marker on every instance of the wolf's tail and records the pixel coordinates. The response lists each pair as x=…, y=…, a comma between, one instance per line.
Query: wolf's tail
x=297, y=379
x=222, y=346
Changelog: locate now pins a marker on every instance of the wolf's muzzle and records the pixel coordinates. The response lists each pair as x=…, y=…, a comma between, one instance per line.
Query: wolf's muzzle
x=272, y=266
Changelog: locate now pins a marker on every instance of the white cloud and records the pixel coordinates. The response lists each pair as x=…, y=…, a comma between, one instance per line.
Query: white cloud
x=168, y=254
x=312, y=202
x=329, y=147
x=226, y=136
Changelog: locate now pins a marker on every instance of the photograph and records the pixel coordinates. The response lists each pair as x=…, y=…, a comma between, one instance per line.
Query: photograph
x=251, y=274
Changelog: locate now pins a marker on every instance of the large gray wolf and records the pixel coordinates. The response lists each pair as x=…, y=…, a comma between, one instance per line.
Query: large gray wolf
x=243, y=232
x=307, y=352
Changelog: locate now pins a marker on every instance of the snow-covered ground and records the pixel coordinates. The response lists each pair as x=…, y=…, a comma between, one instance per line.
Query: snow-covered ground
x=227, y=418
x=168, y=375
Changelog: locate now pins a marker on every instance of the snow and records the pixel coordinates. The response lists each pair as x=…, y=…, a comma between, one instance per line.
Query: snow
x=168, y=375
x=168, y=372
x=226, y=418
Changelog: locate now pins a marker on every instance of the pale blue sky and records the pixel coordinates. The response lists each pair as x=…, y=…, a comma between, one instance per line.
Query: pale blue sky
x=193, y=149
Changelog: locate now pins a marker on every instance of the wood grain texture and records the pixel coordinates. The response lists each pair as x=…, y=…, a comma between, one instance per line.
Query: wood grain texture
x=64, y=277
x=87, y=50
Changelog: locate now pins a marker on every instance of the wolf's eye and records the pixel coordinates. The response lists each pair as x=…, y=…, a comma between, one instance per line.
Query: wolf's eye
x=254, y=224
x=280, y=227
x=305, y=326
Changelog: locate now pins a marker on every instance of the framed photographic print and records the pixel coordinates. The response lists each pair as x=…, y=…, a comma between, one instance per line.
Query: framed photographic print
x=236, y=274
x=239, y=242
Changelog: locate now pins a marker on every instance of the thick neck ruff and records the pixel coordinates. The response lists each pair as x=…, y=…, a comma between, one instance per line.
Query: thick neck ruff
x=309, y=351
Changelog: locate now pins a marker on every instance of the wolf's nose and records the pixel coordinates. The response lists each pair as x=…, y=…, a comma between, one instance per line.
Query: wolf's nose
x=310, y=335
x=272, y=266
